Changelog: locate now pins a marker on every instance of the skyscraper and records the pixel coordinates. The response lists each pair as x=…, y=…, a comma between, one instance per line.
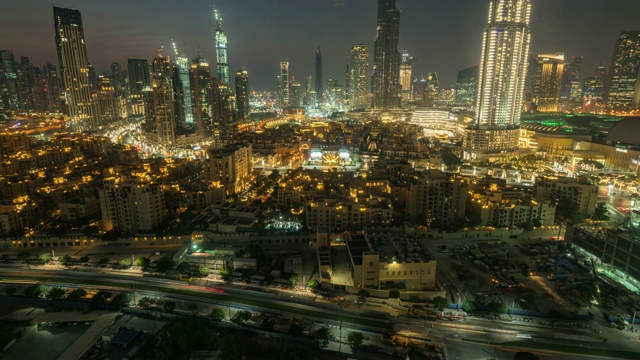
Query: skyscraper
x=223, y=108
x=502, y=76
x=26, y=83
x=200, y=80
x=222, y=52
x=163, y=110
x=405, y=74
x=74, y=68
x=432, y=89
x=139, y=79
x=467, y=86
x=242, y=94
x=106, y=101
x=359, y=76
x=622, y=90
x=571, y=79
x=318, y=79
x=284, y=85
x=386, y=66
x=52, y=82
x=182, y=63
x=547, y=83
x=9, y=72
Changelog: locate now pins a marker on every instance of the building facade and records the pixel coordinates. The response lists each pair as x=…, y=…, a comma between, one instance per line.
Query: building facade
x=386, y=67
x=548, y=81
x=622, y=88
x=467, y=86
x=230, y=166
x=242, y=94
x=222, y=51
x=359, y=72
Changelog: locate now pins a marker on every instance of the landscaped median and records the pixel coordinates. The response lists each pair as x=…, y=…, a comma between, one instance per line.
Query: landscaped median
x=217, y=297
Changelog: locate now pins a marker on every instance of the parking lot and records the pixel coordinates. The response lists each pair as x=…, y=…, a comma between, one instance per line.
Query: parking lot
x=46, y=341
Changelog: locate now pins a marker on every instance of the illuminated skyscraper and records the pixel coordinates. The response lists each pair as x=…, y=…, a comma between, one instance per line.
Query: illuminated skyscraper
x=9, y=81
x=503, y=69
x=571, y=88
x=405, y=74
x=182, y=63
x=139, y=79
x=223, y=108
x=359, y=76
x=242, y=94
x=106, y=101
x=318, y=88
x=432, y=89
x=74, y=67
x=467, y=86
x=222, y=52
x=200, y=80
x=386, y=66
x=284, y=85
x=622, y=90
x=163, y=110
x=26, y=84
x=547, y=83
x=53, y=85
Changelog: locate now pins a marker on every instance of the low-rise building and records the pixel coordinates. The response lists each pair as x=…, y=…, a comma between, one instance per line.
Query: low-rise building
x=580, y=191
x=79, y=207
x=341, y=214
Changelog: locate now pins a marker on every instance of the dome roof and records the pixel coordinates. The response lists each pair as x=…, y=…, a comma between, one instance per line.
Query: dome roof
x=626, y=131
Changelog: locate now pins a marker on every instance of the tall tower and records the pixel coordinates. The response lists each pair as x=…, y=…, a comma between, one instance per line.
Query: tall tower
x=548, y=78
x=242, y=94
x=467, y=86
x=622, y=91
x=200, y=79
x=318, y=79
x=503, y=69
x=182, y=63
x=139, y=79
x=222, y=52
x=74, y=67
x=359, y=76
x=284, y=85
x=52, y=83
x=26, y=83
x=9, y=80
x=405, y=74
x=163, y=110
x=386, y=67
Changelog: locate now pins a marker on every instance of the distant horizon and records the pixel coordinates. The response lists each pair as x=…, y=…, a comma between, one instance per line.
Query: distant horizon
x=258, y=42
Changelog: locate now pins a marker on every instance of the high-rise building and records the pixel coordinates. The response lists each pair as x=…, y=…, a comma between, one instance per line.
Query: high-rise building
x=467, y=86
x=318, y=87
x=230, y=167
x=547, y=83
x=309, y=93
x=242, y=94
x=53, y=85
x=418, y=88
x=593, y=91
x=182, y=63
x=622, y=90
x=74, y=68
x=9, y=72
x=222, y=52
x=503, y=69
x=223, y=108
x=106, y=101
x=26, y=84
x=571, y=88
x=386, y=66
x=347, y=80
x=360, y=76
x=161, y=66
x=40, y=96
x=139, y=79
x=297, y=98
x=405, y=74
x=163, y=110
x=131, y=204
x=284, y=85
x=437, y=197
x=432, y=89
x=200, y=80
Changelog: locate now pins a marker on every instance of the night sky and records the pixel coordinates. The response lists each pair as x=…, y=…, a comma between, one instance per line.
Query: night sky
x=445, y=36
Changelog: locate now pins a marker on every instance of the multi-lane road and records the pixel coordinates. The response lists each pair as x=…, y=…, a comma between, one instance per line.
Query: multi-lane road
x=473, y=339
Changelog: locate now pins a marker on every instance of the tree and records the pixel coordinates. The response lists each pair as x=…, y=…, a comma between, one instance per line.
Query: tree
x=64, y=259
x=125, y=262
x=34, y=290
x=91, y=230
x=468, y=306
x=324, y=334
x=24, y=255
x=204, y=270
x=55, y=293
x=527, y=225
x=142, y=262
x=164, y=265
x=363, y=294
x=294, y=279
x=104, y=261
x=440, y=302
x=567, y=209
x=183, y=267
x=101, y=297
x=224, y=272
x=296, y=330
x=241, y=317
x=121, y=300
x=355, y=340
x=497, y=307
x=84, y=259
x=313, y=284
x=77, y=294
x=45, y=257
x=601, y=212
x=169, y=306
x=193, y=307
x=217, y=314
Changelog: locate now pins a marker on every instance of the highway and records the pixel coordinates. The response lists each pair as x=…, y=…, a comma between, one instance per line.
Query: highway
x=473, y=339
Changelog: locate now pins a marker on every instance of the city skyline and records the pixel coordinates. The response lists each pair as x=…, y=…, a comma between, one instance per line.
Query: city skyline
x=590, y=30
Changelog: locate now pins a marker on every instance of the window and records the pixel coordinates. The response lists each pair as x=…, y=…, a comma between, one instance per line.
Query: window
x=410, y=272
x=370, y=263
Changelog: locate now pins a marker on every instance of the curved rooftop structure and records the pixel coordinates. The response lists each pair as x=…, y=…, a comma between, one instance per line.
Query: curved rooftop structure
x=627, y=132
